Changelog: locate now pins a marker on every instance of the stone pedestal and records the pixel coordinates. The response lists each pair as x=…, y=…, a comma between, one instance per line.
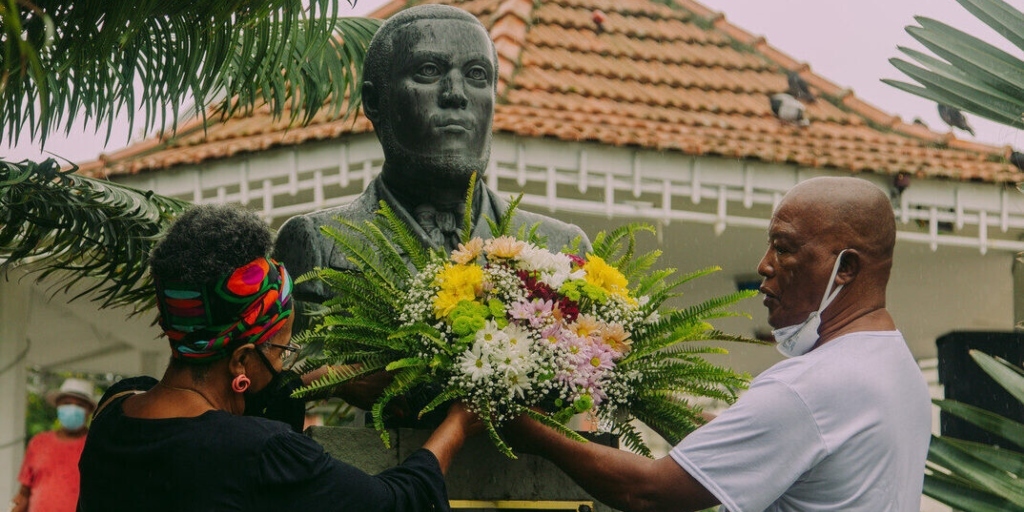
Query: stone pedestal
x=480, y=478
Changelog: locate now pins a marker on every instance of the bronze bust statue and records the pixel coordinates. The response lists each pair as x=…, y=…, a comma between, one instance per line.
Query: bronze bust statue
x=430, y=79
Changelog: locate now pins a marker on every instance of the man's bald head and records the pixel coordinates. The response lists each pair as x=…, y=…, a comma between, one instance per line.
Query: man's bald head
x=853, y=212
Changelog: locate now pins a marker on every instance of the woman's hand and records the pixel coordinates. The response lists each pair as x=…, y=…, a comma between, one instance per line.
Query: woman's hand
x=447, y=440
x=470, y=421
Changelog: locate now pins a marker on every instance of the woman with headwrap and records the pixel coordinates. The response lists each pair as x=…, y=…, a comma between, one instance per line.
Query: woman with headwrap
x=183, y=443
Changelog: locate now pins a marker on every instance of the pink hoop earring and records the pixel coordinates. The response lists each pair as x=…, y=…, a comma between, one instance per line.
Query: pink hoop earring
x=240, y=384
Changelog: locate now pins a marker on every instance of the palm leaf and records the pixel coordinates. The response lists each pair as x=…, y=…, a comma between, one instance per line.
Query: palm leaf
x=114, y=56
x=970, y=466
x=79, y=230
x=989, y=421
x=968, y=73
x=963, y=497
x=1010, y=378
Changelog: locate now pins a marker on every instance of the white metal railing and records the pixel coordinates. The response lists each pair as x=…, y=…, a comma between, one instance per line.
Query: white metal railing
x=658, y=186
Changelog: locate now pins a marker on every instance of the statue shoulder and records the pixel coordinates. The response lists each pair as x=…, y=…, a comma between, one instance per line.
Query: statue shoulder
x=300, y=244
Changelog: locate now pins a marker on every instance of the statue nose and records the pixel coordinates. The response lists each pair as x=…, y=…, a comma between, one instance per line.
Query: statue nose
x=453, y=91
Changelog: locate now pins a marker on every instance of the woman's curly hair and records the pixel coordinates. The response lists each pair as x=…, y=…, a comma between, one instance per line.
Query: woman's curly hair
x=209, y=241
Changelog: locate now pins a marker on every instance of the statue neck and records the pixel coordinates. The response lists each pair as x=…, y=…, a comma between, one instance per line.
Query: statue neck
x=442, y=194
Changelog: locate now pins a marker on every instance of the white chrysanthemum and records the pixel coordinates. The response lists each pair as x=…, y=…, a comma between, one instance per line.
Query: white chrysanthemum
x=475, y=362
x=491, y=334
x=535, y=259
x=518, y=384
x=517, y=340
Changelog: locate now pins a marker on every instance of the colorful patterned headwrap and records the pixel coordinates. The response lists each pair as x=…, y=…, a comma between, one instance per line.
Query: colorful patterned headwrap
x=205, y=321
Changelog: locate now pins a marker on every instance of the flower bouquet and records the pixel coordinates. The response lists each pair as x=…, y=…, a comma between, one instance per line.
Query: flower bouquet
x=510, y=327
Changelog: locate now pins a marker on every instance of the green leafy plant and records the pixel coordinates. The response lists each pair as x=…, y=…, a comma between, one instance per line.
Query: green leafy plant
x=83, y=230
x=65, y=62
x=88, y=63
x=390, y=315
x=966, y=72
x=974, y=476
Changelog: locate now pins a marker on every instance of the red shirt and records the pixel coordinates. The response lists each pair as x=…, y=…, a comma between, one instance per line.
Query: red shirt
x=50, y=470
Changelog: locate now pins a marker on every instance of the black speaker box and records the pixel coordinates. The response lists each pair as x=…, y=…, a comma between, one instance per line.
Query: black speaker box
x=966, y=382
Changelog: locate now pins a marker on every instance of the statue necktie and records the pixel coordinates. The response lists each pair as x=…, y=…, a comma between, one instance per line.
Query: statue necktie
x=442, y=227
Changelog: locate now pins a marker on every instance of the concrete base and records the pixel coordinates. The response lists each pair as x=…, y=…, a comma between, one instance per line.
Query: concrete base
x=478, y=473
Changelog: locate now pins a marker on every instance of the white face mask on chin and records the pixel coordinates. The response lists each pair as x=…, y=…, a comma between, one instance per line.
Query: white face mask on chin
x=798, y=339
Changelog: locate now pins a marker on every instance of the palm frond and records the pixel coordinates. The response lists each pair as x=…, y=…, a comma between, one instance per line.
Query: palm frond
x=110, y=57
x=966, y=72
x=79, y=230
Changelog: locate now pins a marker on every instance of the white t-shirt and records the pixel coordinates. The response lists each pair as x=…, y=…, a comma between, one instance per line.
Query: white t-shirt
x=843, y=427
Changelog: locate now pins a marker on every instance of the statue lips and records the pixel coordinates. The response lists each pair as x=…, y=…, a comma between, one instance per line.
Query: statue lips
x=453, y=126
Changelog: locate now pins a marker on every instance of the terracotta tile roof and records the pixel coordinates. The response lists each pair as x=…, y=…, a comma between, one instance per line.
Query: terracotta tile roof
x=668, y=78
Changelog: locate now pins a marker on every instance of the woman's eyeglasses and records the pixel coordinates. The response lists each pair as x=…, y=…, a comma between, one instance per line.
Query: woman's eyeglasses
x=290, y=356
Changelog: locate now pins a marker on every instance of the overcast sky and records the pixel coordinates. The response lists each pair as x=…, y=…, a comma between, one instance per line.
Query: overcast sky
x=848, y=42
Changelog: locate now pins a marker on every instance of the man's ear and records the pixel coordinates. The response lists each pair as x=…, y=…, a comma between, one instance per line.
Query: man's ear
x=849, y=267
x=239, y=357
x=371, y=102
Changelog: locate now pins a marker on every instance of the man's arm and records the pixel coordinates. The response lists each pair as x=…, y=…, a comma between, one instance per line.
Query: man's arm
x=621, y=479
x=20, y=500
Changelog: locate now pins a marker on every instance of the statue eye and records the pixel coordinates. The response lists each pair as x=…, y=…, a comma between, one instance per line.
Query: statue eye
x=429, y=69
x=477, y=73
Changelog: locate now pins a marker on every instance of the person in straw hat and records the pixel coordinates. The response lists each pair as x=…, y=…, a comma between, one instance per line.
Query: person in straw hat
x=49, y=473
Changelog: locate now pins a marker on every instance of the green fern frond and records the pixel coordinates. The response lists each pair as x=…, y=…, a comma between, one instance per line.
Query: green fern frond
x=363, y=256
x=402, y=382
x=609, y=245
x=406, y=362
x=389, y=254
x=335, y=376
x=631, y=439
x=636, y=267
x=671, y=420
x=467, y=216
x=404, y=237
x=554, y=425
x=448, y=395
x=499, y=443
x=505, y=223
x=350, y=287
x=421, y=329
x=653, y=282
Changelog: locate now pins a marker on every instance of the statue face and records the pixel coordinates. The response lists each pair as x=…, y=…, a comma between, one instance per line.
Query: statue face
x=436, y=111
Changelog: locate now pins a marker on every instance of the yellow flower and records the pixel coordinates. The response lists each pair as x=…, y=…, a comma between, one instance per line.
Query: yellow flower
x=503, y=247
x=457, y=283
x=468, y=252
x=606, y=277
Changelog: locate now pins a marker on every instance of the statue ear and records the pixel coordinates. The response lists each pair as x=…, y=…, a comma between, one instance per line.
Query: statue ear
x=371, y=106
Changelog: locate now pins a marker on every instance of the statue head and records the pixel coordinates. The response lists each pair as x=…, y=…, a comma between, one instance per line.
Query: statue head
x=430, y=79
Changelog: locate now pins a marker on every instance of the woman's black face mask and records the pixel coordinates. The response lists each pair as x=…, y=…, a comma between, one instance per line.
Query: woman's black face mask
x=256, y=402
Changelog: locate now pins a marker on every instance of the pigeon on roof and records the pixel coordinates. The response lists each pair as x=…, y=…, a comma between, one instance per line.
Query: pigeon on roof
x=1017, y=159
x=788, y=109
x=798, y=87
x=954, y=118
x=598, y=17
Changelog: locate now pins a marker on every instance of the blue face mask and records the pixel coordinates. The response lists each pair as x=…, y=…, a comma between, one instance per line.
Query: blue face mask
x=799, y=339
x=71, y=416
